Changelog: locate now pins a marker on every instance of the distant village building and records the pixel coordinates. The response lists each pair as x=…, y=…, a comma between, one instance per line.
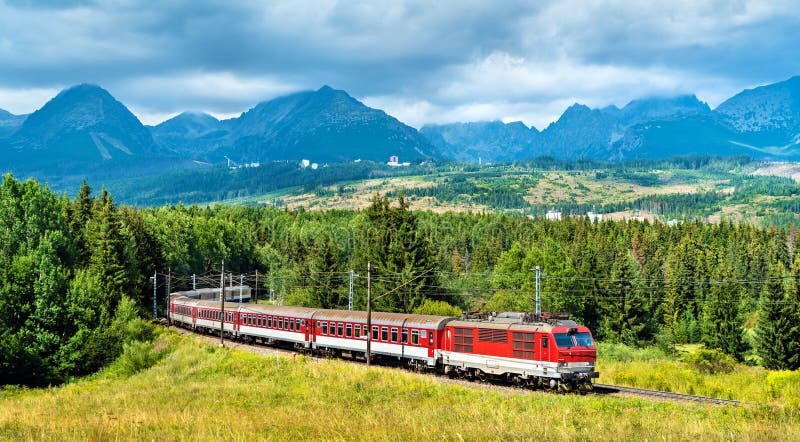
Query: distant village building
x=553, y=215
x=304, y=163
x=394, y=161
x=314, y=166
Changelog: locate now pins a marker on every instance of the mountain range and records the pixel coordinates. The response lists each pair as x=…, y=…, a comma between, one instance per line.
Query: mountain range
x=762, y=123
x=85, y=130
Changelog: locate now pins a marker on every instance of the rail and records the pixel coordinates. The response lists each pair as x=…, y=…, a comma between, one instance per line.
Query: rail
x=600, y=388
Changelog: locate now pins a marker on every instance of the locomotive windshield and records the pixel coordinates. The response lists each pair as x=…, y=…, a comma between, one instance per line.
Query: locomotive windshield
x=582, y=339
x=563, y=340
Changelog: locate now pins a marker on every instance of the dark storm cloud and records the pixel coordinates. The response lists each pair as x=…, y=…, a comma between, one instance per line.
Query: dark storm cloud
x=422, y=61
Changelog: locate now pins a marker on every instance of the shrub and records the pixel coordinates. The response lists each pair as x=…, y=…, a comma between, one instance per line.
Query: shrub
x=710, y=361
x=439, y=308
x=623, y=353
x=137, y=356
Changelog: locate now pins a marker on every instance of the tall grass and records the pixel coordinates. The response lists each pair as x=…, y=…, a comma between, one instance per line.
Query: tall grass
x=698, y=371
x=201, y=392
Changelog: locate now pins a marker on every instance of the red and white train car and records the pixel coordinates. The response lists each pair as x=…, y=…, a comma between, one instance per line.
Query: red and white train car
x=404, y=336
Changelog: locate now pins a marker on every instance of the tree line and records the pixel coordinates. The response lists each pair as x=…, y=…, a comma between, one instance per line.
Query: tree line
x=73, y=272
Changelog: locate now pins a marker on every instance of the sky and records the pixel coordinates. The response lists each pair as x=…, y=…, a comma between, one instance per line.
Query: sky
x=424, y=62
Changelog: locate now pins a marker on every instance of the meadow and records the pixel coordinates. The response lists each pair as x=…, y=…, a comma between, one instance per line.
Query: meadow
x=197, y=391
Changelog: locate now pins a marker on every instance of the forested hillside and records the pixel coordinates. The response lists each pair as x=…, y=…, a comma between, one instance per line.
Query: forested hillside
x=72, y=272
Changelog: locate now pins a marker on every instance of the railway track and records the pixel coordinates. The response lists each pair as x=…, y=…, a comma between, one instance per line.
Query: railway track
x=597, y=388
x=606, y=389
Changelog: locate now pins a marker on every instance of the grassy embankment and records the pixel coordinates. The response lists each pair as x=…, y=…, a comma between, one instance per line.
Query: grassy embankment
x=200, y=392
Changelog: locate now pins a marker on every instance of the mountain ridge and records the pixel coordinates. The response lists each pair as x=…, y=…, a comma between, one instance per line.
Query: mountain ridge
x=85, y=128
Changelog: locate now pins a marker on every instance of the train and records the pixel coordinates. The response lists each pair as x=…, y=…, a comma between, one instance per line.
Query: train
x=545, y=351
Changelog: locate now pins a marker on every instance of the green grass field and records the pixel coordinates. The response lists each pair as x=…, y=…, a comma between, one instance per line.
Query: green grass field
x=201, y=392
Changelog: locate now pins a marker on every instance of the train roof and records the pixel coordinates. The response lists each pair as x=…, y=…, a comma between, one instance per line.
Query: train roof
x=543, y=327
x=384, y=318
x=378, y=318
x=279, y=310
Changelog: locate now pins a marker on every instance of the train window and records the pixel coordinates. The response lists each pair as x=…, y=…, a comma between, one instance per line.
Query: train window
x=584, y=339
x=563, y=340
x=349, y=330
x=324, y=328
x=544, y=341
x=291, y=324
x=357, y=331
x=430, y=339
x=385, y=334
x=415, y=337
x=374, y=333
x=280, y=323
x=405, y=336
x=340, y=329
x=394, y=335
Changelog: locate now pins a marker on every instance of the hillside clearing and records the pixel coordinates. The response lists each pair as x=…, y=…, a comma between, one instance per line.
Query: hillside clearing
x=203, y=392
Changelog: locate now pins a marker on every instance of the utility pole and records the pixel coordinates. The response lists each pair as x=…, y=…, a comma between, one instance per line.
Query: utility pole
x=155, y=296
x=222, y=305
x=369, y=313
x=538, y=298
x=241, y=287
x=350, y=299
x=169, y=290
x=254, y=298
x=194, y=282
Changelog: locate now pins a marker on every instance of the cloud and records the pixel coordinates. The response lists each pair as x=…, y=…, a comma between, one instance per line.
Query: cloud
x=25, y=101
x=425, y=61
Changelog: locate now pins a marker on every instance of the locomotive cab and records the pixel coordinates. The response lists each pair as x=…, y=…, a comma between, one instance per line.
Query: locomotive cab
x=575, y=354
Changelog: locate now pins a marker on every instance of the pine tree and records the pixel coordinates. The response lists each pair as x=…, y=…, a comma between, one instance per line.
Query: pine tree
x=108, y=254
x=625, y=316
x=721, y=322
x=791, y=311
x=323, y=280
x=773, y=325
x=392, y=242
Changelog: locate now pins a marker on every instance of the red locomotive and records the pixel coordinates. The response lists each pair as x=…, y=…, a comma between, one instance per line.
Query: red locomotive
x=547, y=351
